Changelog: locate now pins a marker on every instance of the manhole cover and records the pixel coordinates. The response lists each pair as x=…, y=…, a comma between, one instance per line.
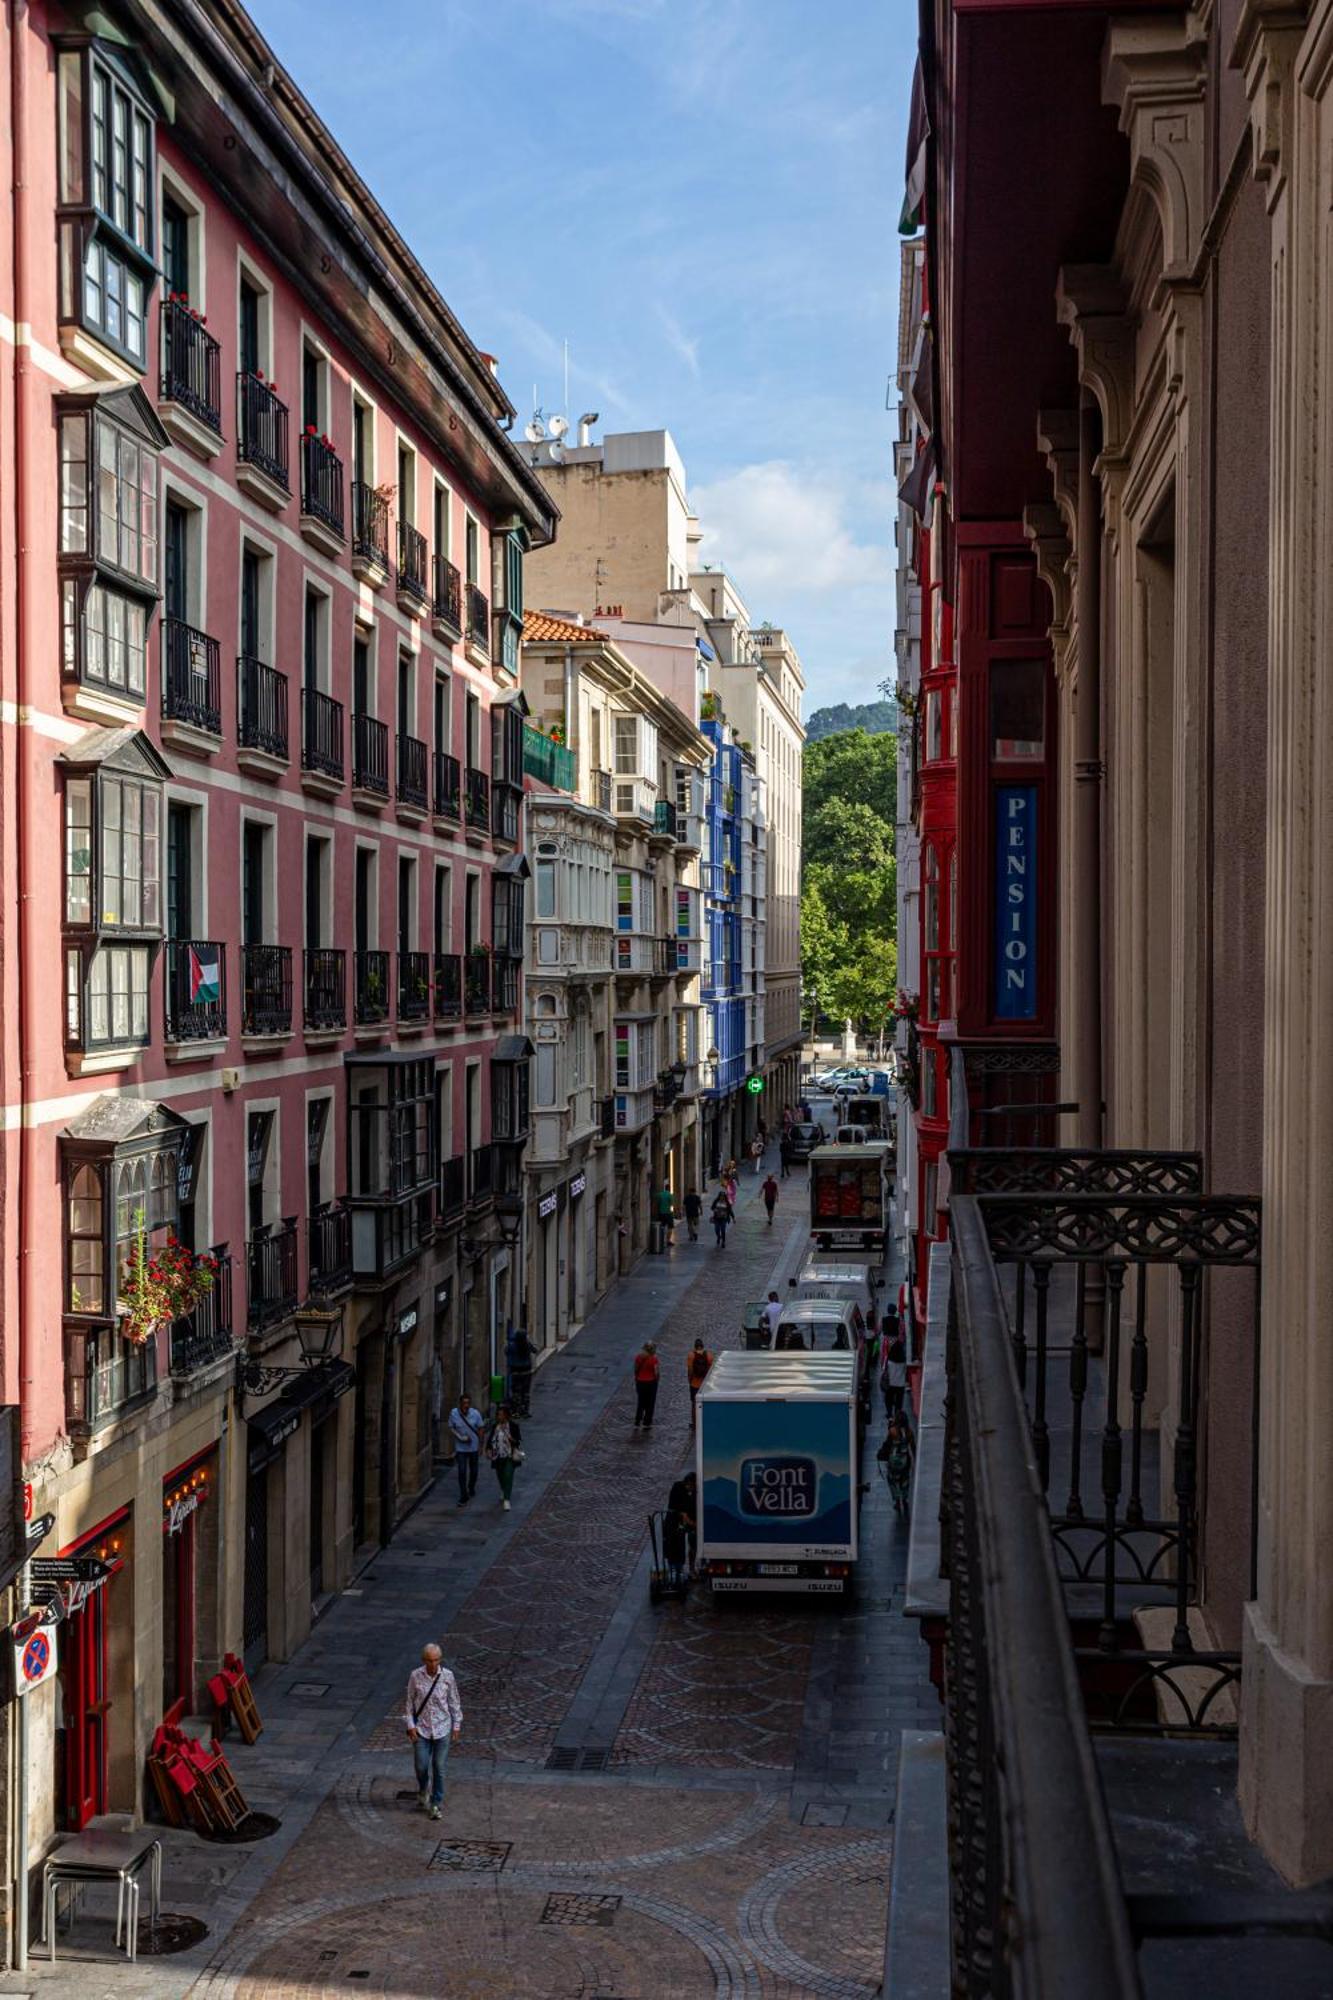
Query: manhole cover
x=309, y=1690
x=255, y=1826
x=477, y=1857
x=571, y=1907
x=161, y=1935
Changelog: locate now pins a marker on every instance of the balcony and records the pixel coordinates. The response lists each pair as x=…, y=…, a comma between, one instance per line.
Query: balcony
x=453, y=1186
x=191, y=400
x=389, y=1235
x=477, y=801
x=553, y=763
x=410, y=789
x=478, y=620
x=604, y=1110
x=602, y=790
x=446, y=611
x=634, y=1109
x=413, y=986
x=322, y=494
x=504, y=986
x=636, y=798
x=195, y=971
x=329, y=1240
x=448, y=986
x=412, y=593
x=370, y=534
x=266, y=990
x=371, y=997
x=477, y=983
x=664, y=821
x=447, y=787
x=370, y=761
x=261, y=442
x=271, y=1264
x=505, y=803
x=206, y=1335
x=324, y=984
x=321, y=741
x=262, y=716
x=191, y=688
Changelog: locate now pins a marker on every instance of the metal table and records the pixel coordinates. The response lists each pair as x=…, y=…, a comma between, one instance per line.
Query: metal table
x=104, y=1855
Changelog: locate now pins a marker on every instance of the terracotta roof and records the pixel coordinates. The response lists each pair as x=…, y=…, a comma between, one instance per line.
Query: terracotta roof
x=539, y=628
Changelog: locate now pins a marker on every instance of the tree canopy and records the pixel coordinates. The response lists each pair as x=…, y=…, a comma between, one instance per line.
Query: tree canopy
x=874, y=716
x=849, y=955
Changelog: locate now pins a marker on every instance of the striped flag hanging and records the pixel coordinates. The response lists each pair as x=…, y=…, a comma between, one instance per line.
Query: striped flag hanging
x=205, y=975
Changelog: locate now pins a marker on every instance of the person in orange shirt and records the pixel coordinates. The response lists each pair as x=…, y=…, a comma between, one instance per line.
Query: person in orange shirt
x=647, y=1371
x=697, y=1364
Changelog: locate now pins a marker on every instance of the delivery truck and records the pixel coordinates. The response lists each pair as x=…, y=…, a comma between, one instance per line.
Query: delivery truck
x=777, y=1444
x=850, y=1191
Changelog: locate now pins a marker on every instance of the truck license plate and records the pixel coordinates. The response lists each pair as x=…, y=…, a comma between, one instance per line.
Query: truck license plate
x=777, y=1569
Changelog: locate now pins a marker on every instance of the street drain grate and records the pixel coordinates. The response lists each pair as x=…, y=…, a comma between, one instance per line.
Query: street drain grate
x=566, y=1757
x=570, y=1907
x=309, y=1690
x=594, y=1760
x=473, y=1857
x=159, y=1936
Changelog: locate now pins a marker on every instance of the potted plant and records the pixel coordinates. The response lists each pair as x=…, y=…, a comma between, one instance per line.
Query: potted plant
x=159, y=1286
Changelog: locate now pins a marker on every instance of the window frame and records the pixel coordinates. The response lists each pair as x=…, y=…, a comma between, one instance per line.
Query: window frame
x=91, y=221
x=90, y=574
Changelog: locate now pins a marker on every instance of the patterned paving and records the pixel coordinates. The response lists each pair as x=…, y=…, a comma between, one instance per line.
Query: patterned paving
x=724, y=1687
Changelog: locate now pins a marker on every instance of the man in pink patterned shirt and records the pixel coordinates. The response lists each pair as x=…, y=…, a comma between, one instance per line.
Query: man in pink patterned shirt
x=434, y=1718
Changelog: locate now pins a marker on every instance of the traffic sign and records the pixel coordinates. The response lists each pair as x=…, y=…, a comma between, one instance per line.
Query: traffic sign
x=35, y=1655
x=38, y=1530
x=69, y=1569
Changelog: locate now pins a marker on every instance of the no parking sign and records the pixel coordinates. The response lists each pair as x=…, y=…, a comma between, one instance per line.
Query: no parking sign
x=34, y=1642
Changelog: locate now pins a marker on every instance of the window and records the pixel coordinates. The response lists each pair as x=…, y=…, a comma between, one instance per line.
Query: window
x=545, y=892
x=106, y=208
x=407, y=485
x=442, y=524
x=113, y=1188
x=934, y=726
x=507, y=901
x=314, y=389
x=928, y=1081
x=175, y=247
x=112, y=895
x=510, y=1118
x=635, y=746
x=473, y=557
x=108, y=548
x=1017, y=708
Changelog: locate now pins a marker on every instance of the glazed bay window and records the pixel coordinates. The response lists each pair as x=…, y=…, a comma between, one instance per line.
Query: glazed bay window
x=113, y=889
x=107, y=251
x=109, y=557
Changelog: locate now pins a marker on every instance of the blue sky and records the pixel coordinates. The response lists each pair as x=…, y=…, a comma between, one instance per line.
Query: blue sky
x=701, y=196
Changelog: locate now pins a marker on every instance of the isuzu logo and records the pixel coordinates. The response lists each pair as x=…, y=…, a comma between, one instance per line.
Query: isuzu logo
x=778, y=1486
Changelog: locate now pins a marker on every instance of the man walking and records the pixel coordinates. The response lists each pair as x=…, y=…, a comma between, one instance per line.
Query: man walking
x=770, y=1193
x=520, y=1356
x=694, y=1208
x=434, y=1717
x=647, y=1371
x=465, y=1429
x=666, y=1216
x=697, y=1364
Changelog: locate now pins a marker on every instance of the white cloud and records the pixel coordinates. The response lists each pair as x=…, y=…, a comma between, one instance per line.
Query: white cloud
x=680, y=343
x=777, y=527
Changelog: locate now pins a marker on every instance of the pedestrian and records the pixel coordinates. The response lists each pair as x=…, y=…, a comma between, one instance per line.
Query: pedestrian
x=762, y=1131
x=756, y=1153
x=731, y=1182
x=504, y=1449
x=520, y=1356
x=697, y=1364
x=723, y=1215
x=770, y=1193
x=784, y=1154
x=682, y=1513
x=465, y=1430
x=894, y=1376
x=666, y=1215
x=647, y=1371
x=805, y=1109
x=694, y=1208
x=434, y=1718
x=788, y=1118
x=772, y=1314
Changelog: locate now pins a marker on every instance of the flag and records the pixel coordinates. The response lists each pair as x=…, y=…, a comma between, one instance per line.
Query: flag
x=918, y=131
x=205, y=976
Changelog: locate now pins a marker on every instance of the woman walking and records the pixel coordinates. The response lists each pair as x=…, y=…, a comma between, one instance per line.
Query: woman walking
x=723, y=1215
x=504, y=1449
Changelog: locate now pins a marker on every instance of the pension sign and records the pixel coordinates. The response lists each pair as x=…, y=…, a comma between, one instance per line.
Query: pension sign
x=1016, y=903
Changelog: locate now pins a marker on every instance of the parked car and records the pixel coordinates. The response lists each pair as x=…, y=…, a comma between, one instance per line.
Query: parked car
x=804, y=1136
x=843, y=1078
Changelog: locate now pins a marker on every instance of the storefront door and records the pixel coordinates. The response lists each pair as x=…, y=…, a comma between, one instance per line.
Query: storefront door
x=256, y=1568
x=86, y=1707
x=317, y=1436
x=178, y=1630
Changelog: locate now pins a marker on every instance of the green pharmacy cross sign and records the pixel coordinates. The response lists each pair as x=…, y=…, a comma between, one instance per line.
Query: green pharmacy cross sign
x=754, y=1084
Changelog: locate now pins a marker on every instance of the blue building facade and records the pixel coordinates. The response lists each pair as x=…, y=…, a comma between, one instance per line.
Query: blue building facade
x=729, y=1114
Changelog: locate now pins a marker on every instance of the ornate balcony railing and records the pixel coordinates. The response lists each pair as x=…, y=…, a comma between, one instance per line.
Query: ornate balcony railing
x=271, y=1261
x=414, y=986
x=329, y=1241
x=448, y=986
x=477, y=798
x=370, y=526
x=476, y=984
x=191, y=677
x=411, y=563
x=372, y=988
x=324, y=981
x=321, y=733
x=191, y=365
x=447, y=602
x=266, y=989
x=206, y=1334
x=196, y=989
x=263, y=708
x=370, y=755
x=478, y=618
x=411, y=780
x=261, y=430
x=322, y=483
x=447, y=786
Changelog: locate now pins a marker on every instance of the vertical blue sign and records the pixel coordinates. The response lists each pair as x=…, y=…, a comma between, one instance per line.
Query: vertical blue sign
x=1016, y=903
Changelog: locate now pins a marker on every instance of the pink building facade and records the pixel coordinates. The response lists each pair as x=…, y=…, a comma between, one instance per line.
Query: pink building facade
x=263, y=903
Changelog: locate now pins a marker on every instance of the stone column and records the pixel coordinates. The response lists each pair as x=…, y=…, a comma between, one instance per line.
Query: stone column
x=1084, y=749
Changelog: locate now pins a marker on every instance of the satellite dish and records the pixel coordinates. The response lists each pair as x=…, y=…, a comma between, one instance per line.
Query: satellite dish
x=535, y=430
x=555, y=452
x=558, y=427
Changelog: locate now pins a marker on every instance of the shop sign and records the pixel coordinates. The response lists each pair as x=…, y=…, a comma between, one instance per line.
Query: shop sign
x=1016, y=903
x=547, y=1206
x=187, y=1163
x=178, y=1511
x=442, y=1296
x=343, y=1383
x=577, y=1185
x=407, y=1323
x=35, y=1657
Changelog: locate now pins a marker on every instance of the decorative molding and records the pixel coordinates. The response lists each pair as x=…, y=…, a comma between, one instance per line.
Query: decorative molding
x=1044, y=526
x=1057, y=441
x=1268, y=35
x=1090, y=302
x=1154, y=75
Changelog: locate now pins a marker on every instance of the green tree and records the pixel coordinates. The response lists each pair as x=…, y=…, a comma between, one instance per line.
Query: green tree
x=856, y=767
x=849, y=952
x=841, y=832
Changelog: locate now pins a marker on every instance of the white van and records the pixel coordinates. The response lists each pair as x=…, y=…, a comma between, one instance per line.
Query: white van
x=839, y=1277
x=820, y=1326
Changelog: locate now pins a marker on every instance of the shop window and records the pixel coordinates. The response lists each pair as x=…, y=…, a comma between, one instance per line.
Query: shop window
x=112, y=893
x=106, y=147
x=1017, y=709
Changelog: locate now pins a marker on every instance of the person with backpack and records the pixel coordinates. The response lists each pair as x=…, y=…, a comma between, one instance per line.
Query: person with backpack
x=647, y=1373
x=723, y=1215
x=433, y=1716
x=694, y=1208
x=895, y=1456
x=697, y=1364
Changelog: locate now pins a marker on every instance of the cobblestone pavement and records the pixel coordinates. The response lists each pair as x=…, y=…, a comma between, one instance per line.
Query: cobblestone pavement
x=687, y=1800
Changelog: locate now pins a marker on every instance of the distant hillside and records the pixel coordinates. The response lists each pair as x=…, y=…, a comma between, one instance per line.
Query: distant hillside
x=879, y=718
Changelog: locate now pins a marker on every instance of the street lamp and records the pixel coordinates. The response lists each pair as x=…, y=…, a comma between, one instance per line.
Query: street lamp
x=508, y=1213
x=320, y=1335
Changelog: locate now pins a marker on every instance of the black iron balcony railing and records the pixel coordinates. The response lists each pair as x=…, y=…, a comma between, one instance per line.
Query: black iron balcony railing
x=447, y=786
x=606, y=1117
x=478, y=618
x=414, y=986
x=447, y=603
x=324, y=983
x=370, y=525
x=191, y=677
x=453, y=1186
x=206, y=1333
x=321, y=733
x=261, y=430
x=322, y=483
x=504, y=985
x=271, y=1262
x=372, y=987
x=266, y=989
x=601, y=790
x=370, y=755
x=505, y=802
x=411, y=563
x=477, y=983
x=664, y=818
x=477, y=798
x=191, y=365
x=481, y=1173
x=329, y=1243
x=411, y=773
x=263, y=707
x=448, y=986
x=196, y=989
